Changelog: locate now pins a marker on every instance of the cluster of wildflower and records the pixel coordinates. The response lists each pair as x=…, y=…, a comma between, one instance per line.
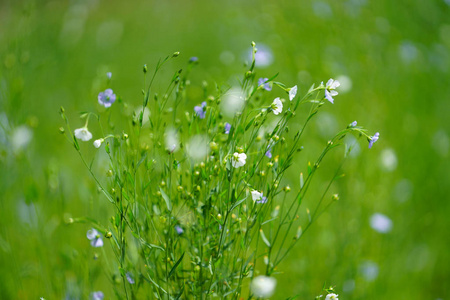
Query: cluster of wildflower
x=203, y=208
x=329, y=294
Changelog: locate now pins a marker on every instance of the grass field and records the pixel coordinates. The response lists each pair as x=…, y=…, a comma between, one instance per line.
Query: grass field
x=393, y=61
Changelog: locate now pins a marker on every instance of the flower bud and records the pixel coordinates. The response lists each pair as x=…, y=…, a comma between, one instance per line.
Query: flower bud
x=213, y=146
x=175, y=54
x=145, y=69
x=108, y=234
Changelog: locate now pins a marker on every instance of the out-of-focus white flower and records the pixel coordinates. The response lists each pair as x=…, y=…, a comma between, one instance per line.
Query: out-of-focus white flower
x=256, y=195
x=238, y=159
x=98, y=143
x=263, y=286
x=380, y=223
x=145, y=116
x=388, y=160
x=292, y=92
x=277, y=106
x=83, y=134
x=233, y=102
x=346, y=83
x=172, y=143
x=198, y=147
x=330, y=89
x=332, y=296
x=21, y=137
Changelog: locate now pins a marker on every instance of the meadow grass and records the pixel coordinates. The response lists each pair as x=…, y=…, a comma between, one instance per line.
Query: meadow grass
x=390, y=57
x=199, y=191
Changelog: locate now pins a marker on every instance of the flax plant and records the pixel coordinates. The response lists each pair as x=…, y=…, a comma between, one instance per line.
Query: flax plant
x=199, y=208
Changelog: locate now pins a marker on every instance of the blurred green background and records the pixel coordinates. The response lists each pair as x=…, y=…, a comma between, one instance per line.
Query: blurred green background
x=393, y=58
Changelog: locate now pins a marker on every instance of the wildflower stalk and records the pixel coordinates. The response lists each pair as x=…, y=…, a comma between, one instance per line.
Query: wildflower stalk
x=194, y=219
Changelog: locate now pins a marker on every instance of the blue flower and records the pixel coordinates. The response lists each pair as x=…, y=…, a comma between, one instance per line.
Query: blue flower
x=263, y=200
x=109, y=75
x=179, y=230
x=264, y=82
x=96, y=239
x=268, y=153
x=201, y=110
x=227, y=128
x=193, y=59
x=373, y=139
x=129, y=278
x=106, y=98
x=97, y=295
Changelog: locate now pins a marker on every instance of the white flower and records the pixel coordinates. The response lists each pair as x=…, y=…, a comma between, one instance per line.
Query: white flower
x=256, y=195
x=332, y=296
x=263, y=286
x=98, y=143
x=83, y=134
x=330, y=89
x=292, y=92
x=238, y=159
x=277, y=106
x=380, y=223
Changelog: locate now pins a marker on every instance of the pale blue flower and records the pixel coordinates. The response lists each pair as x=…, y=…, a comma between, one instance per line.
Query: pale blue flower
x=264, y=82
x=109, y=75
x=268, y=153
x=227, y=128
x=178, y=229
x=330, y=89
x=97, y=295
x=201, y=110
x=353, y=124
x=129, y=278
x=373, y=139
x=106, y=98
x=94, y=236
